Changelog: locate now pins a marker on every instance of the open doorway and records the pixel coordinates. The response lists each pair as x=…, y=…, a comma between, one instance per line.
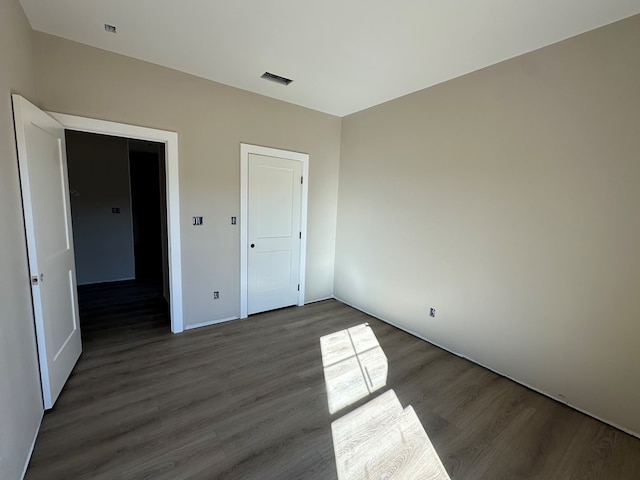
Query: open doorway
x=118, y=206
x=170, y=141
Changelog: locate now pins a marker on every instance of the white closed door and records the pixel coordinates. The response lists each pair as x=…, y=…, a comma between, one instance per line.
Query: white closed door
x=45, y=197
x=273, y=232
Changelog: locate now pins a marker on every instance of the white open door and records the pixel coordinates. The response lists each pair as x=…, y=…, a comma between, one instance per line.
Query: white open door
x=45, y=198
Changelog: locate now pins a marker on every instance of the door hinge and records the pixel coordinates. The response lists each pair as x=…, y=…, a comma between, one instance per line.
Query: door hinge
x=301, y=180
x=298, y=287
x=34, y=280
x=300, y=236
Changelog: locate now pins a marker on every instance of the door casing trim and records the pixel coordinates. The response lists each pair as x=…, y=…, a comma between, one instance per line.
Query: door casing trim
x=170, y=140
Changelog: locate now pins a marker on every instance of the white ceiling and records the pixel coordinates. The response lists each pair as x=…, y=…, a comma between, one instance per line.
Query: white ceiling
x=343, y=55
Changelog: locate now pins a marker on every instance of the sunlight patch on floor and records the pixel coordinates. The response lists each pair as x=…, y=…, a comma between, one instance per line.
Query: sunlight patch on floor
x=381, y=440
x=354, y=365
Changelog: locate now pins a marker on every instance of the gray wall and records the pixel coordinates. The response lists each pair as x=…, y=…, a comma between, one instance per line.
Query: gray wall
x=20, y=395
x=509, y=200
x=211, y=120
x=99, y=177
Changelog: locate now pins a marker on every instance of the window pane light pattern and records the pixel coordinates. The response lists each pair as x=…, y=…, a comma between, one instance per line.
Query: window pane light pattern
x=380, y=439
x=354, y=365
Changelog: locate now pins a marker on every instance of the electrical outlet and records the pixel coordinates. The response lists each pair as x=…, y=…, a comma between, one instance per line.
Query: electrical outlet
x=432, y=312
x=216, y=295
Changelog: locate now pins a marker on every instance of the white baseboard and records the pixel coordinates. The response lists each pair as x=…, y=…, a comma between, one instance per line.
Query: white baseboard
x=210, y=322
x=417, y=335
x=33, y=445
x=223, y=320
x=330, y=297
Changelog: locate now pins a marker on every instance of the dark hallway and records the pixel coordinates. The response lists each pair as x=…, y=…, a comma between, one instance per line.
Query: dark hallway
x=112, y=311
x=147, y=176
x=119, y=225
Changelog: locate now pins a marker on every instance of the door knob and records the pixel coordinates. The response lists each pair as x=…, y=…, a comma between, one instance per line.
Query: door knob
x=253, y=245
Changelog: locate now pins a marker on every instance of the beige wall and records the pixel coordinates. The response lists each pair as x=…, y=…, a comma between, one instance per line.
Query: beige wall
x=509, y=200
x=102, y=241
x=211, y=121
x=20, y=395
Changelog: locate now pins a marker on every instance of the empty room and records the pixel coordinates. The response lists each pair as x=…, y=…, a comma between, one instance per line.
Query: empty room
x=335, y=240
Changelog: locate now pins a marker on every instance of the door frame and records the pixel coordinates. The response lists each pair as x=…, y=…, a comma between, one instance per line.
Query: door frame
x=246, y=150
x=170, y=140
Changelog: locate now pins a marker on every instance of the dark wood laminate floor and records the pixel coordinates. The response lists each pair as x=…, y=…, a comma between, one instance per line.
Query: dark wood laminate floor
x=247, y=400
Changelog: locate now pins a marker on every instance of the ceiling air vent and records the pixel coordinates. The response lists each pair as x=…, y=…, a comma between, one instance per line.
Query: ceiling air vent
x=276, y=78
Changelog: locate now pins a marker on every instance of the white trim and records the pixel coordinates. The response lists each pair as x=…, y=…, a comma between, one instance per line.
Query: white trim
x=537, y=390
x=170, y=140
x=245, y=150
x=244, y=206
x=210, y=322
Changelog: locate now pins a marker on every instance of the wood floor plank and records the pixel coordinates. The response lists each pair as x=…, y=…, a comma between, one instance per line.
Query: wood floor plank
x=248, y=400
